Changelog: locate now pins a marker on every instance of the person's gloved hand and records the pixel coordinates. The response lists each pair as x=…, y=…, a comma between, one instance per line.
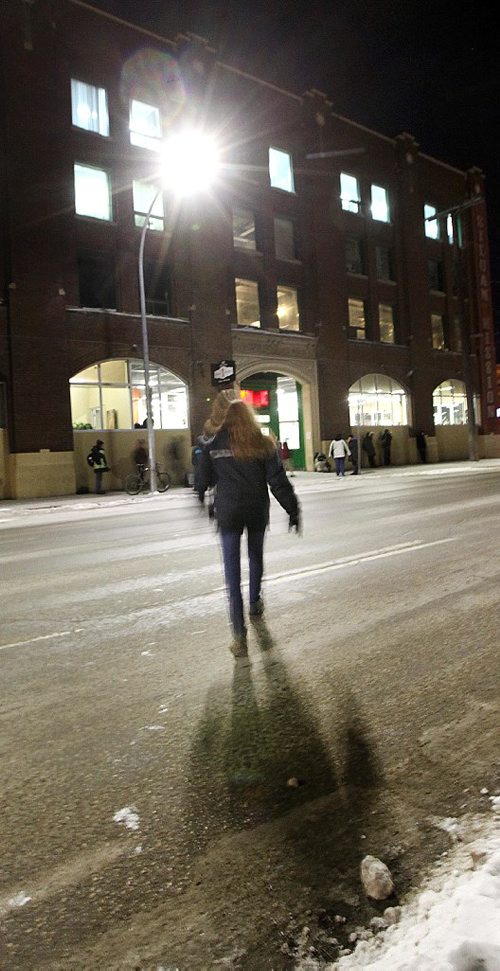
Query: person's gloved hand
x=295, y=523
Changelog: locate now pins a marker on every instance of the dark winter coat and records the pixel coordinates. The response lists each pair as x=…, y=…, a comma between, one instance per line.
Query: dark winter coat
x=242, y=494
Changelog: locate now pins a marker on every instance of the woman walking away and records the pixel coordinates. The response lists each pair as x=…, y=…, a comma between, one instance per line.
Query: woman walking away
x=240, y=462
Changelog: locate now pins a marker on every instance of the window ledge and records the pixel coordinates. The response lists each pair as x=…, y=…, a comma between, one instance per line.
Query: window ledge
x=124, y=313
x=244, y=329
x=96, y=134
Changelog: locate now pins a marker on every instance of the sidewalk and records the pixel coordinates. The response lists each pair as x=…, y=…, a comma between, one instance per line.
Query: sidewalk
x=302, y=481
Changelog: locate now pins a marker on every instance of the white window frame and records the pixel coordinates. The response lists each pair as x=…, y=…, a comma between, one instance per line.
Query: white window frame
x=81, y=206
x=350, y=197
x=89, y=107
x=431, y=223
x=141, y=134
x=380, y=208
x=156, y=221
x=279, y=180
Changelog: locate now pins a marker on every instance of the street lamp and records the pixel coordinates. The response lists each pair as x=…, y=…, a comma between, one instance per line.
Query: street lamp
x=189, y=165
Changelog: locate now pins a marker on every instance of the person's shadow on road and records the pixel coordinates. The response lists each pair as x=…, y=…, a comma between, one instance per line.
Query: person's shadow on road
x=260, y=754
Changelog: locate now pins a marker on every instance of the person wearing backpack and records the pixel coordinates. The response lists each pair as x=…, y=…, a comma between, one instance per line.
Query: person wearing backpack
x=96, y=459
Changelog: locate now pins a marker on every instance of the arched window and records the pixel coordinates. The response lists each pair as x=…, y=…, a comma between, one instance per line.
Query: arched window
x=449, y=401
x=112, y=394
x=377, y=400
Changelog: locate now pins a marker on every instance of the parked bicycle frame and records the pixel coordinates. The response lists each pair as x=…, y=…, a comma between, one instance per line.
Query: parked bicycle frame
x=139, y=481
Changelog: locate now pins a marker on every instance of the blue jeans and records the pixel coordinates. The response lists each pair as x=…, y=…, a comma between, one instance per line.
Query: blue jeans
x=340, y=466
x=231, y=546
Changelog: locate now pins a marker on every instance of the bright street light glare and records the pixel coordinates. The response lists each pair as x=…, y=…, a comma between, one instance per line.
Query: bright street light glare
x=190, y=162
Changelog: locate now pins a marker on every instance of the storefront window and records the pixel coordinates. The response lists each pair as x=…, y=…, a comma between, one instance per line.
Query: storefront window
x=449, y=401
x=377, y=399
x=112, y=395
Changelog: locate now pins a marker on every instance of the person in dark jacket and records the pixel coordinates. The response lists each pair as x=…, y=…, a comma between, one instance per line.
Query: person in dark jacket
x=421, y=441
x=385, y=439
x=353, y=448
x=99, y=464
x=369, y=447
x=243, y=464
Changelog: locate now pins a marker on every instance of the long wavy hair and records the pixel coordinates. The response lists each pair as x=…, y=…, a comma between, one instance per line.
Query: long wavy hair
x=218, y=413
x=245, y=437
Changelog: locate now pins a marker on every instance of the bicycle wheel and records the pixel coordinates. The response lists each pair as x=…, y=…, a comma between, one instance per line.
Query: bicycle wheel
x=133, y=484
x=162, y=481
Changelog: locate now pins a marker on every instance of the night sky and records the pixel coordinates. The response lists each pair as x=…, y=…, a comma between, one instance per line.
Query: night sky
x=431, y=69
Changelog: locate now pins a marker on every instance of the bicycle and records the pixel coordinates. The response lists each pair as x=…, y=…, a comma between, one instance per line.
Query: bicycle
x=139, y=481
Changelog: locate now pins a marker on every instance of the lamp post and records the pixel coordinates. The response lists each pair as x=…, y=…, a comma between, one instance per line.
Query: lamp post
x=145, y=350
x=189, y=165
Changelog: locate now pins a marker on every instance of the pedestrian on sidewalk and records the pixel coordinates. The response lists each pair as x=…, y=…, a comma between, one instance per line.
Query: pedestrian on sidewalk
x=242, y=465
x=286, y=457
x=421, y=443
x=385, y=439
x=99, y=463
x=339, y=449
x=353, y=446
x=369, y=448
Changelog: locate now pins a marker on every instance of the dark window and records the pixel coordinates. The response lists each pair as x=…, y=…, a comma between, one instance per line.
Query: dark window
x=354, y=255
x=157, y=289
x=385, y=269
x=436, y=275
x=96, y=277
x=284, y=238
x=244, y=229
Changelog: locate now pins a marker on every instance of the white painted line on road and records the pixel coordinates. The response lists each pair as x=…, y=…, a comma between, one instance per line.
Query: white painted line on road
x=354, y=560
x=31, y=640
x=340, y=564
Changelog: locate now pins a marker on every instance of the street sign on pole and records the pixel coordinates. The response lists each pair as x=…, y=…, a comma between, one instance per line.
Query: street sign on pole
x=223, y=374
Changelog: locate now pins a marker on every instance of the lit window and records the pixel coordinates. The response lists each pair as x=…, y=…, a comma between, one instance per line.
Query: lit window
x=354, y=256
x=92, y=192
x=112, y=395
x=284, y=241
x=357, y=320
x=383, y=256
x=431, y=224
x=349, y=193
x=449, y=402
x=144, y=193
x=281, y=170
x=145, y=126
x=288, y=309
x=377, y=399
x=449, y=229
x=244, y=229
x=380, y=204
x=386, y=323
x=437, y=328
x=89, y=107
x=247, y=303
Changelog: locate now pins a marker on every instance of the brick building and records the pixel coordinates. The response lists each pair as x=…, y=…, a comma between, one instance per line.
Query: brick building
x=351, y=288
